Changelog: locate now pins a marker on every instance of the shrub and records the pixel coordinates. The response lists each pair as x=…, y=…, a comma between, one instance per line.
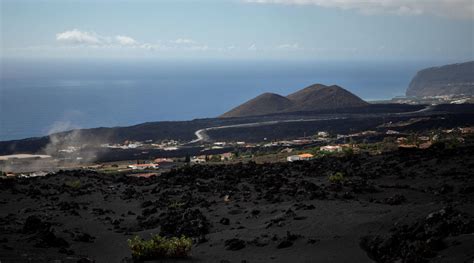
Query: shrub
x=176, y=205
x=160, y=247
x=75, y=184
x=336, y=178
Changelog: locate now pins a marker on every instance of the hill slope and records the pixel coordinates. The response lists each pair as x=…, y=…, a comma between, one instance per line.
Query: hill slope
x=263, y=104
x=313, y=98
x=455, y=79
x=319, y=97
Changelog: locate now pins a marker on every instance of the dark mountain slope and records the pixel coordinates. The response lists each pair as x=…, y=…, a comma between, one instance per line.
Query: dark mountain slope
x=266, y=103
x=318, y=97
x=313, y=98
x=455, y=79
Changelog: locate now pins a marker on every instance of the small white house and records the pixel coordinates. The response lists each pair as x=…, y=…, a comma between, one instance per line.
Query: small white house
x=300, y=157
x=293, y=158
x=331, y=148
x=198, y=159
x=323, y=134
x=226, y=156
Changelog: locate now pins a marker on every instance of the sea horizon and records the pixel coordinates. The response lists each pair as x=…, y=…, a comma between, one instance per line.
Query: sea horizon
x=42, y=96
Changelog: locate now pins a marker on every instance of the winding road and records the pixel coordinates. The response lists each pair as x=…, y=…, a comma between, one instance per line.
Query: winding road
x=201, y=134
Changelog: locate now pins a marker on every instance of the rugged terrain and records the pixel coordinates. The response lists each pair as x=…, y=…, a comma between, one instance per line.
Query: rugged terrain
x=455, y=79
x=407, y=206
x=360, y=117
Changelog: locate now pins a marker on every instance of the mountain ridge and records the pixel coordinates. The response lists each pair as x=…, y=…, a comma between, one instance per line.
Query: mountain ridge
x=312, y=98
x=452, y=79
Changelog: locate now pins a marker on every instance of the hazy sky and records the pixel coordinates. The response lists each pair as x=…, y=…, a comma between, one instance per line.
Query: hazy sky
x=239, y=29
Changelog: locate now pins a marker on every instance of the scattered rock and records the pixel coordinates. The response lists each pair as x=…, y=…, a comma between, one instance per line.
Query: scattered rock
x=84, y=237
x=397, y=199
x=234, y=244
x=225, y=221
x=419, y=241
x=284, y=244
x=189, y=222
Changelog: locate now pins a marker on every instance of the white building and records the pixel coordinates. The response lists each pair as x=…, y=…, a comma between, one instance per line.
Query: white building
x=293, y=158
x=300, y=157
x=198, y=159
x=323, y=134
x=331, y=148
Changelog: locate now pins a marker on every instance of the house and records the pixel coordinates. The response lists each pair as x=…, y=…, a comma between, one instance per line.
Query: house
x=172, y=148
x=323, y=134
x=226, y=156
x=300, y=157
x=331, y=148
x=401, y=140
x=305, y=156
x=391, y=132
x=467, y=130
x=287, y=150
x=198, y=159
x=293, y=158
x=144, y=166
x=164, y=162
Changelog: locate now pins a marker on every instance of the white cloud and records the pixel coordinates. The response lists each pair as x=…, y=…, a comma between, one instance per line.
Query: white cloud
x=183, y=41
x=252, y=47
x=199, y=47
x=84, y=38
x=460, y=9
x=126, y=41
x=293, y=46
x=78, y=37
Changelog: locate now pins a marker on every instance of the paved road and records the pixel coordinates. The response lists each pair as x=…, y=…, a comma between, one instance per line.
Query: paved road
x=201, y=134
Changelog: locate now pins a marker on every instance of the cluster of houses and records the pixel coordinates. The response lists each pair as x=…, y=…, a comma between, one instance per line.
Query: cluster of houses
x=206, y=158
x=125, y=145
x=308, y=156
x=167, y=145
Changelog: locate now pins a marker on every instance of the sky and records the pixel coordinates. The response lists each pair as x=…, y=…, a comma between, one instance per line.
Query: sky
x=239, y=29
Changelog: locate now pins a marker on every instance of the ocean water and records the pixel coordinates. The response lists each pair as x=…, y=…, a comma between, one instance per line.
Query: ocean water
x=38, y=97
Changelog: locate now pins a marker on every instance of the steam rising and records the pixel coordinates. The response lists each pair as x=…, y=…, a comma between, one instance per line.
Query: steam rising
x=68, y=146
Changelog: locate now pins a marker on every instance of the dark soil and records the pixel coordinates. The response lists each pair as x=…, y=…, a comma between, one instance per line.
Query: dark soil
x=403, y=206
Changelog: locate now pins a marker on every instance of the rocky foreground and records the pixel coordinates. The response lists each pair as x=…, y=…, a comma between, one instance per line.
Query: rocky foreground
x=404, y=206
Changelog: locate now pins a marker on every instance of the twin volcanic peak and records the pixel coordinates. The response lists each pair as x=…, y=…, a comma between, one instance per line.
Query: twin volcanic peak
x=313, y=98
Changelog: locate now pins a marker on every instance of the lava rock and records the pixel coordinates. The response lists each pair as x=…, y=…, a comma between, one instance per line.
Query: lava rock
x=225, y=221
x=234, y=244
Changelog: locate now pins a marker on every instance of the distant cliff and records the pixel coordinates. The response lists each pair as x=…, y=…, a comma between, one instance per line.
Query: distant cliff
x=455, y=79
x=313, y=98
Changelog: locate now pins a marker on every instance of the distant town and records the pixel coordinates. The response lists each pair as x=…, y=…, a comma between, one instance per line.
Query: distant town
x=304, y=148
